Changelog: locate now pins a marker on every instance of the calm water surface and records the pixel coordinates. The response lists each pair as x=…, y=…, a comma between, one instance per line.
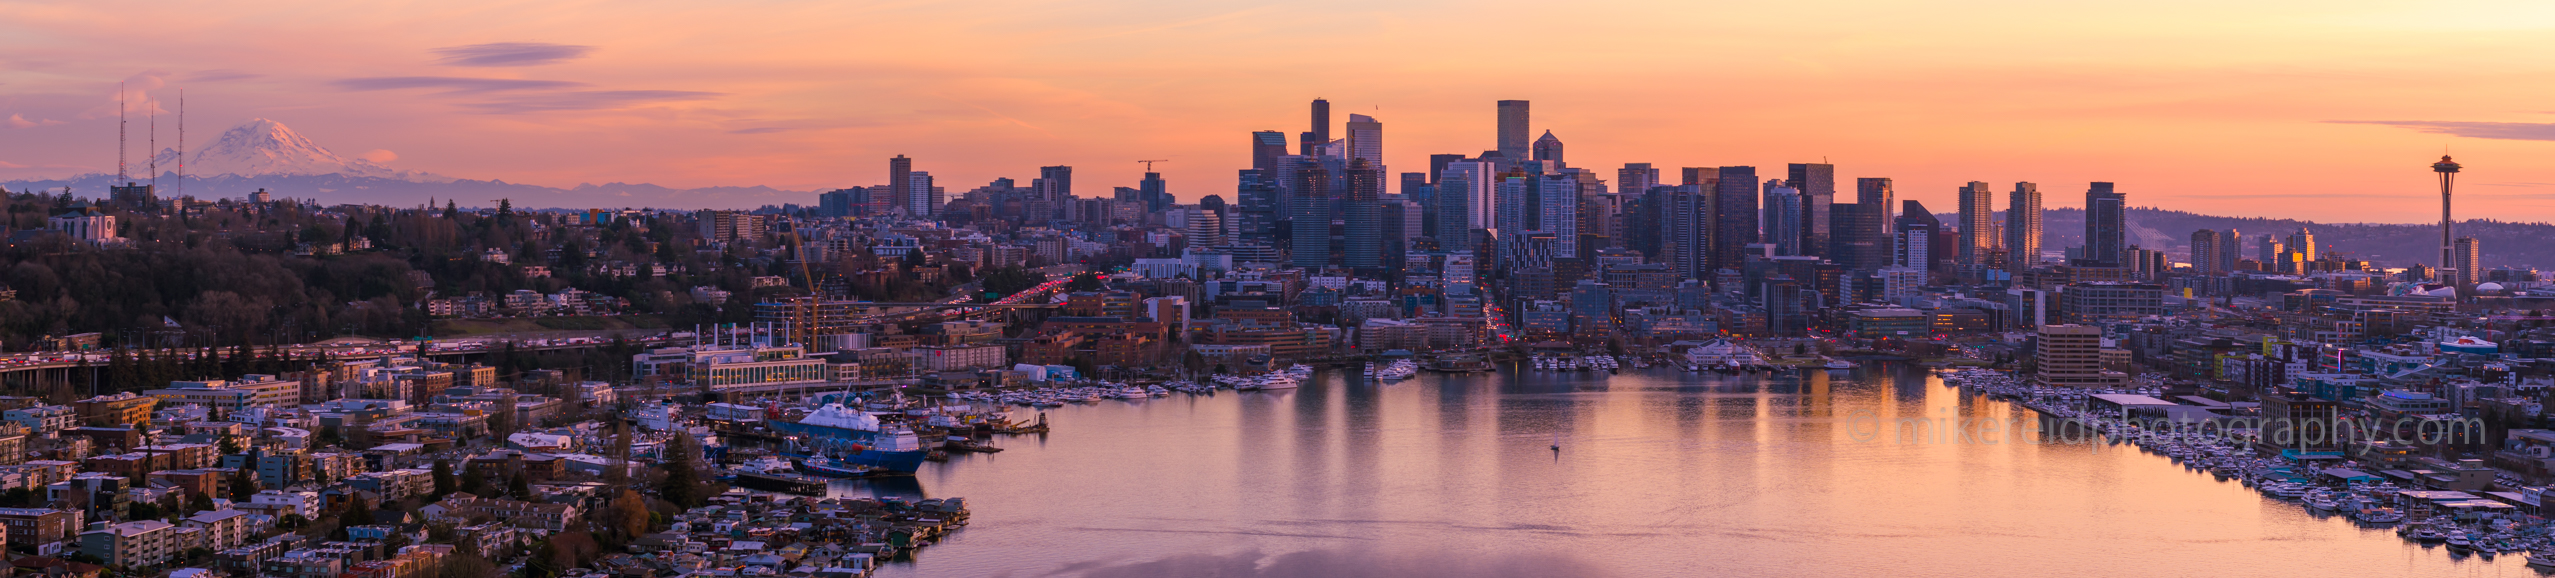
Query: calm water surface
x=1660, y=474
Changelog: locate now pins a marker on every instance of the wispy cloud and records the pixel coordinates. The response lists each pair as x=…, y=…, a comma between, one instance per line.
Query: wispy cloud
x=2491, y=130
x=584, y=100
x=455, y=84
x=221, y=75
x=21, y=121
x=511, y=54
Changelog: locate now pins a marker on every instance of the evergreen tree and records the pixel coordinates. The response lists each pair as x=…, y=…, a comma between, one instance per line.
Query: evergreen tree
x=682, y=485
x=444, y=482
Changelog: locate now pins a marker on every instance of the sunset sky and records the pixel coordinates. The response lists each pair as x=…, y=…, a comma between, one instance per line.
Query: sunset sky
x=2321, y=110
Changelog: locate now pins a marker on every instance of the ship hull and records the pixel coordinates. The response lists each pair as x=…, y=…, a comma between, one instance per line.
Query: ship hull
x=790, y=484
x=868, y=455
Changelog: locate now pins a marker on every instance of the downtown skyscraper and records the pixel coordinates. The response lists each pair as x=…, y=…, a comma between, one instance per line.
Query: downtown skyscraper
x=1817, y=184
x=1978, y=222
x=1734, y=221
x=1514, y=131
x=2106, y=226
x=2022, y=227
x=1783, y=217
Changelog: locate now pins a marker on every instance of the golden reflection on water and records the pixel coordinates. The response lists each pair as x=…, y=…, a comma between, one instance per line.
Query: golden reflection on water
x=1658, y=473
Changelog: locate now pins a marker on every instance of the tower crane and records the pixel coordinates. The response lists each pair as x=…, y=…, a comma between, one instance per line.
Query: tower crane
x=1148, y=164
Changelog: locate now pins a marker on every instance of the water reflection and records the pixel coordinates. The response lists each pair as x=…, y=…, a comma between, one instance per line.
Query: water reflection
x=1661, y=473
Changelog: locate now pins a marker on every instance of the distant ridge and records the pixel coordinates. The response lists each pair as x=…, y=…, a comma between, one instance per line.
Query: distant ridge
x=263, y=153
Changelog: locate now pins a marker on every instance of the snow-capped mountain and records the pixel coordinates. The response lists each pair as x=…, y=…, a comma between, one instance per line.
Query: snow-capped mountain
x=262, y=147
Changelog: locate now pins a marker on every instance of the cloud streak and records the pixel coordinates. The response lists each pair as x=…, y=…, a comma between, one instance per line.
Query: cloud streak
x=21, y=121
x=2469, y=129
x=451, y=84
x=511, y=54
x=585, y=100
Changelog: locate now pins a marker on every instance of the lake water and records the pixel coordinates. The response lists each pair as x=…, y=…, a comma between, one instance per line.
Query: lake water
x=1660, y=473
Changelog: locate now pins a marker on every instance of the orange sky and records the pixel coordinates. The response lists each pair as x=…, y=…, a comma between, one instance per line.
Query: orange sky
x=2215, y=107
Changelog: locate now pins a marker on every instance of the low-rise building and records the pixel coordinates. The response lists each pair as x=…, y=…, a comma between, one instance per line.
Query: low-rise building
x=131, y=544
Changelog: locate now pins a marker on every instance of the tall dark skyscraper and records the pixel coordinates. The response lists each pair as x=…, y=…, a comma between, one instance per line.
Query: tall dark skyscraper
x=900, y=177
x=2205, y=253
x=1978, y=211
x=1321, y=132
x=1257, y=194
x=1734, y=216
x=1916, y=230
x=2106, y=225
x=1056, y=183
x=1685, y=230
x=1817, y=184
x=1783, y=218
x=2022, y=227
x=1697, y=175
x=1309, y=226
x=1266, y=148
x=1437, y=165
x=2468, y=257
x=1362, y=233
x=1365, y=141
x=1423, y=203
x=1548, y=147
x=1877, y=193
x=1857, y=242
x=2230, y=249
x=1157, y=194
x=1513, y=129
x=1636, y=178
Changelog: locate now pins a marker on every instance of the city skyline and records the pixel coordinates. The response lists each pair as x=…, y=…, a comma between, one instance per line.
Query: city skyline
x=559, y=108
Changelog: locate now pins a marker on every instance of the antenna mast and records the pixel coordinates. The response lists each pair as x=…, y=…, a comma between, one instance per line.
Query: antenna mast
x=119, y=133
x=181, y=142
x=153, y=144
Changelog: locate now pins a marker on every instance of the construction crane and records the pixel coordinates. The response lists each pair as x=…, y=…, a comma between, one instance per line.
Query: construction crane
x=1148, y=165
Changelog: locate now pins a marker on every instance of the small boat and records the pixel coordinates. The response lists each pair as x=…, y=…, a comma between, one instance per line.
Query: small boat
x=2542, y=559
x=964, y=445
x=828, y=467
x=1840, y=364
x=773, y=474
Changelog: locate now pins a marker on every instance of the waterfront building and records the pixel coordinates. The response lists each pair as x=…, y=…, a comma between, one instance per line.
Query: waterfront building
x=2072, y=356
x=2099, y=301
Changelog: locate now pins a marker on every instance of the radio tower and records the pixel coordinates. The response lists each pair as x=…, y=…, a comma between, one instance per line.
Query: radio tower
x=120, y=175
x=181, y=144
x=153, y=143
x=2448, y=239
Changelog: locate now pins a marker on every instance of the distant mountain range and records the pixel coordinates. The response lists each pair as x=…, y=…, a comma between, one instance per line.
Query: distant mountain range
x=264, y=154
x=2505, y=244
